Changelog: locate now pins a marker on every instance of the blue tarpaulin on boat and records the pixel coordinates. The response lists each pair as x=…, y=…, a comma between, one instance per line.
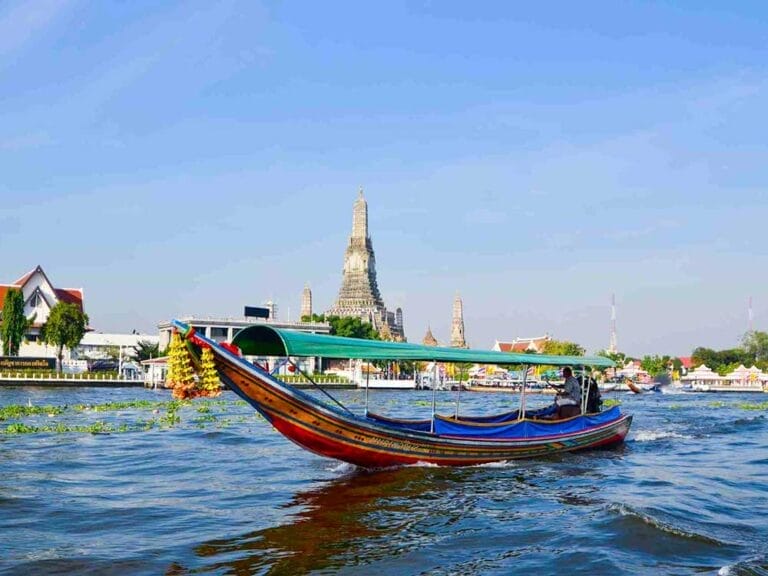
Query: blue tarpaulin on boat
x=509, y=416
x=526, y=428
x=401, y=424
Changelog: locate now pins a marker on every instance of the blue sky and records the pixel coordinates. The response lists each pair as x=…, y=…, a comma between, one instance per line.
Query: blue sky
x=190, y=158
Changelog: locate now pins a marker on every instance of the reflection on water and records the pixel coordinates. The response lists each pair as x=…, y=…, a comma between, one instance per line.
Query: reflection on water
x=329, y=521
x=685, y=494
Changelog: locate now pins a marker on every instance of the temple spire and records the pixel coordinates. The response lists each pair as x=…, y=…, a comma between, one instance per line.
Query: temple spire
x=360, y=218
x=306, y=302
x=457, y=325
x=359, y=293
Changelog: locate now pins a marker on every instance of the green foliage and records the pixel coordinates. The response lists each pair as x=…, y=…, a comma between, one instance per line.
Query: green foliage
x=618, y=357
x=563, y=348
x=25, y=419
x=755, y=345
x=720, y=360
x=753, y=405
x=145, y=350
x=15, y=325
x=16, y=411
x=348, y=326
x=65, y=327
x=655, y=365
x=352, y=327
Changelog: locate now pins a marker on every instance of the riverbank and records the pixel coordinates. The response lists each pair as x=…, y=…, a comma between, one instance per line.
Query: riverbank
x=68, y=380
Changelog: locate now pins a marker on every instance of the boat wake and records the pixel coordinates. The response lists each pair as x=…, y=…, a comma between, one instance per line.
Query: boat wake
x=757, y=566
x=652, y=435
x=342, y=468
x=644, y=519
x=500, y=464
x=738, y=426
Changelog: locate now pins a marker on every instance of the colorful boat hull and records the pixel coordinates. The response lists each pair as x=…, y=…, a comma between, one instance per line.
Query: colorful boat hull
x=331, y=432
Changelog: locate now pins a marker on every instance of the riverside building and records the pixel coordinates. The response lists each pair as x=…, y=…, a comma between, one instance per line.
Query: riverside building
x=40, y=296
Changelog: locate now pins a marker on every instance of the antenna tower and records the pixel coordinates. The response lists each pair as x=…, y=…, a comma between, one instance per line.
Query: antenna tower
x=613, y=348
x=750, y=318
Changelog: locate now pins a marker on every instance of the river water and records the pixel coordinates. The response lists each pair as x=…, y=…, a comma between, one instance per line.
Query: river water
x=208, y=487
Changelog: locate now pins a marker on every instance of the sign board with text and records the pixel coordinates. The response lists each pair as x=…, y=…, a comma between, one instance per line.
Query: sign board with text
x=26, y=363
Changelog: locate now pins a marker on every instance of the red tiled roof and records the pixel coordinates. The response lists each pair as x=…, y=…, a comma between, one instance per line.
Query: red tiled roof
x=21, y=281
x=686, y=361
x=3, y=291
x=522, y=346
x=514, y=346
x=70, y=296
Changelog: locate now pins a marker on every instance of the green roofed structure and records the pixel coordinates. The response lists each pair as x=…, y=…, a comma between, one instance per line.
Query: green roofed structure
x=264, y=340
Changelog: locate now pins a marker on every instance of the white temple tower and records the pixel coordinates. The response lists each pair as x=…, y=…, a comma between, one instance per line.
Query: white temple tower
x=457, y=325
x=306, y=302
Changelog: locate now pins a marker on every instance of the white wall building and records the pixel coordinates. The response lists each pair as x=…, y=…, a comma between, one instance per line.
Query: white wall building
x=224, y=330
x=98, y=345
x=40, y=296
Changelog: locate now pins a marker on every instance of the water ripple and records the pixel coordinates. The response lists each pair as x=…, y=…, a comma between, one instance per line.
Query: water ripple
x=220, y=492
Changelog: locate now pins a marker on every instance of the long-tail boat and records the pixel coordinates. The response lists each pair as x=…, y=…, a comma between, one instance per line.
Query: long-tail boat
x=330, y=429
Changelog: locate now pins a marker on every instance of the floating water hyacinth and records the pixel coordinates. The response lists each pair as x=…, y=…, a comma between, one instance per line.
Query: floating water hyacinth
x=164, y=415
x=753, y=406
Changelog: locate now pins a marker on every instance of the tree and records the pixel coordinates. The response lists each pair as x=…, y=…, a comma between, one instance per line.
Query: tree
x=15, y=324
x=755, y=345
x=352, y=327
x=655, y=365
x=65, y=327
x=313, y=318
x=145, y=350
x=618, y=357
x=563, y=348
x=721, y=361
x=348, y=326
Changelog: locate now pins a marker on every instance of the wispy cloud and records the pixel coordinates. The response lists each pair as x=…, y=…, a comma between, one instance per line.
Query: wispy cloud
x=26, y=141
x=20, y=22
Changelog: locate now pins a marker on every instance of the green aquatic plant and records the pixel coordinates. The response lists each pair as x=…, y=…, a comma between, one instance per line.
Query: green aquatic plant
x=610, y=402
x=753, y=405
x=16, y=411
x=114, y=406
x=204, y=419
x=167, y=414
x=716, y=404
x=19, y=428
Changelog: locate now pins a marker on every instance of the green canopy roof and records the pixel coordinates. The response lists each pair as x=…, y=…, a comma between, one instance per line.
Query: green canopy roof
x=262, y=340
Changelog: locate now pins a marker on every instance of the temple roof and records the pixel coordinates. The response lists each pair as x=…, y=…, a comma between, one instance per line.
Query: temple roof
x=429, y=339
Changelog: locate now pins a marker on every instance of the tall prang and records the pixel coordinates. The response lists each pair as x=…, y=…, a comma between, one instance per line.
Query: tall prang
x=306, y=302
x=457, y=324
x=359, y=293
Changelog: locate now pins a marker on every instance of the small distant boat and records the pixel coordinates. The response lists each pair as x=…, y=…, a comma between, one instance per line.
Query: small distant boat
x=374, y=441
x=635, y=388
